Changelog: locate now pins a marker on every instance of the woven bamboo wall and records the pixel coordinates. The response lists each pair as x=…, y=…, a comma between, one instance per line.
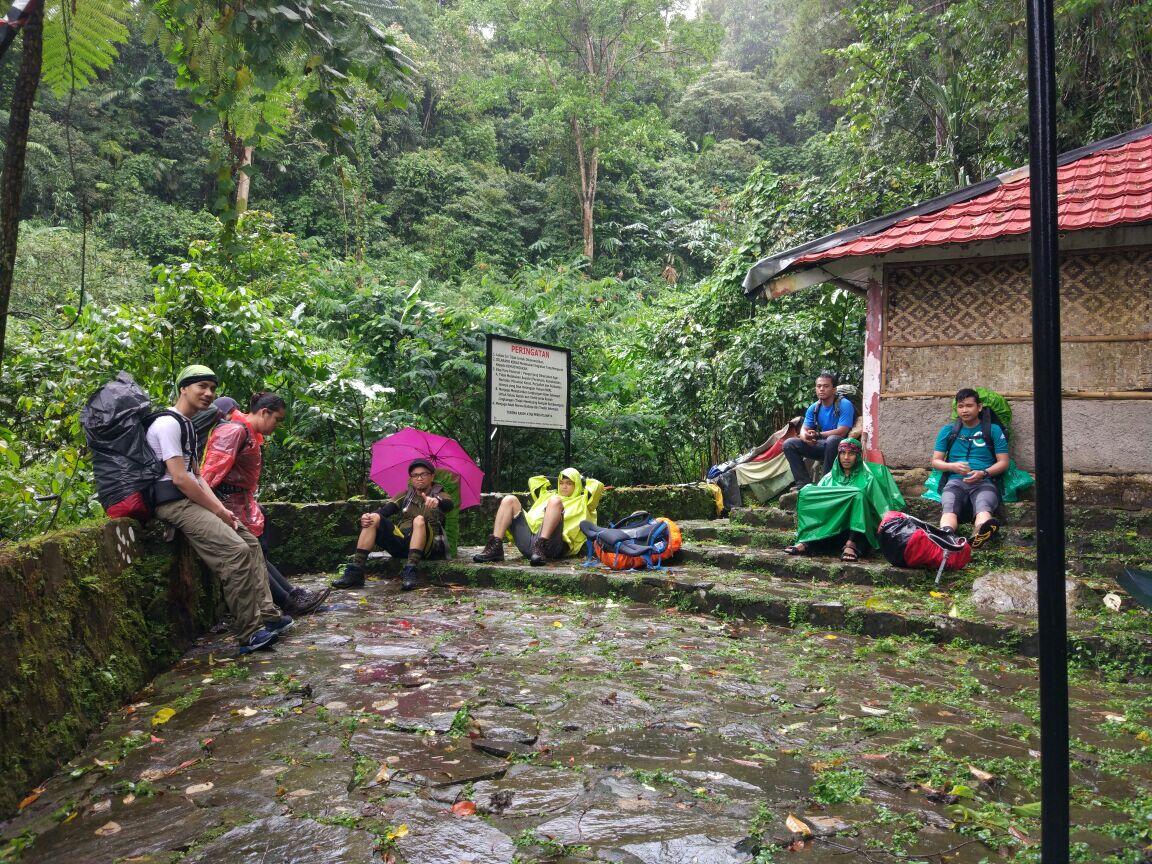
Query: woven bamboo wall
x=1104, y=294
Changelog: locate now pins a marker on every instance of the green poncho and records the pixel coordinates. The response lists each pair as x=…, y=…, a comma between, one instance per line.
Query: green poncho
x=580, y=505
x=853, y=502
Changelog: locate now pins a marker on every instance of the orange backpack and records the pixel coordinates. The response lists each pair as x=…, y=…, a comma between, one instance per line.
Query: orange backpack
x=636, y=542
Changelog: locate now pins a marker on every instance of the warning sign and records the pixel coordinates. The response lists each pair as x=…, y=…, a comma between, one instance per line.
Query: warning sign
x=527, y=384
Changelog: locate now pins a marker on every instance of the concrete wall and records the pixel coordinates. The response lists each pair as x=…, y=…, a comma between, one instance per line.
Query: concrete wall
x=1100, y=436
x=88, y=615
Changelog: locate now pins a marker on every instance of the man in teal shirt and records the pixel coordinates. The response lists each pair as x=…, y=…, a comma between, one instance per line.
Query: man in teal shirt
x=969, y=464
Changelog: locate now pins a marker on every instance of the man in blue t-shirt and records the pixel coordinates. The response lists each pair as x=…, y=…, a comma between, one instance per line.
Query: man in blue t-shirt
x=968, y=466
x=825, y=425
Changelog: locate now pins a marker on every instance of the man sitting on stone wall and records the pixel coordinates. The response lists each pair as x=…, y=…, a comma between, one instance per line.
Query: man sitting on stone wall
x=826, y=423
x=416, y=535
x=970, y=463
x=183, y=499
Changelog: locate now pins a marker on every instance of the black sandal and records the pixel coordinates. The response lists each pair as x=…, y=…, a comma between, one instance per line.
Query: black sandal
x=796, y=549
x=985, y=533
x=850, y=553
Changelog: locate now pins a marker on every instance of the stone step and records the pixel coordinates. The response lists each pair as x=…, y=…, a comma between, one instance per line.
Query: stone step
x=822, y=600
x=1082, y=517
x=1014, y=543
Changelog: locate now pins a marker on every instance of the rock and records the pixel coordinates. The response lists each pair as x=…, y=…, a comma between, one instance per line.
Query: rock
x=282, y=838
x=826, y=826
x=503, y=749
x=694, y=849
x=1015, y=591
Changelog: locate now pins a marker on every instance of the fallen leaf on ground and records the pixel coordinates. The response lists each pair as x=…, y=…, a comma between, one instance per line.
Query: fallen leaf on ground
x=875, y=712
x=156, y=739
x=464, y=808
x=1018, y=834
x=396, y=833
x=982, y=776
x=831, y=636
x=381, y=776
x=129, y=798
x=102, y=806
x=557, y=623
x=154, y=774
x=199, y=788
x=31, y=797
x=246, y=712
x=108, y=829
x=797, y=826
x=163, y=716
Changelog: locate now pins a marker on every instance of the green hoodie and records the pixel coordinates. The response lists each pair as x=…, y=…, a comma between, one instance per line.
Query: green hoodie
x=842, y=502
x=580, y=505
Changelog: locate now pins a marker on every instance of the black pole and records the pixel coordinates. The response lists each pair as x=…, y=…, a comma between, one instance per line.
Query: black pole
x=1049, y=438
x=487, y=484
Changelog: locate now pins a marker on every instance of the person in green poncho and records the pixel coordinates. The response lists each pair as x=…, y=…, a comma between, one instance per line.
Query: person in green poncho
x=550, y=528
x=846, y=505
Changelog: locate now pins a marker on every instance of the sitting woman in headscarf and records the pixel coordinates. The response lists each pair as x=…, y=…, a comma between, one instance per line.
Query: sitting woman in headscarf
x=846, y=505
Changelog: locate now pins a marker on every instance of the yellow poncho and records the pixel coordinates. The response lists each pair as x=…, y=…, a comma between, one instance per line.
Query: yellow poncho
x=580, y=505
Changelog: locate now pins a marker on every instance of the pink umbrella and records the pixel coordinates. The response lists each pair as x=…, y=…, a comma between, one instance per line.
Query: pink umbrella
x=391, y=456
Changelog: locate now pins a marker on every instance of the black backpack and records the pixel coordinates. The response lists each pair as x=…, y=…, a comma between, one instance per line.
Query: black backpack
x=115, y=420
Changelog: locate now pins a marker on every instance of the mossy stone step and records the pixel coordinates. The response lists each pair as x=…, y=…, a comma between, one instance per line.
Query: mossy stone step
x=843, y=606
x=1012, y=542
x=1077, y=517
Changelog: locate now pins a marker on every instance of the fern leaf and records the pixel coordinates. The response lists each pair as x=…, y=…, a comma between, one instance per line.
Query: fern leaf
x=80, y=39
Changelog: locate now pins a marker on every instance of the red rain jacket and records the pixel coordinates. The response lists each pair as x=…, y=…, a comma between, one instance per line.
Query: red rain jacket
x=232, y=464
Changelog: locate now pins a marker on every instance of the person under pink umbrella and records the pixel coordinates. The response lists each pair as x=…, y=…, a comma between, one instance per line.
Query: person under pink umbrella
x=417, y=533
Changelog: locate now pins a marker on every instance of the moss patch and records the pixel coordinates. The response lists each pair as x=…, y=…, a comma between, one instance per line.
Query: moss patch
x=87, y=616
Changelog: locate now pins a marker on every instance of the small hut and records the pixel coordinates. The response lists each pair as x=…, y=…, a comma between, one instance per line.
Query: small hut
x=948, y=289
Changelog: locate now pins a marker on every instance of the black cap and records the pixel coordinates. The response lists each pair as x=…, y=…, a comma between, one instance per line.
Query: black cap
x=421, y=463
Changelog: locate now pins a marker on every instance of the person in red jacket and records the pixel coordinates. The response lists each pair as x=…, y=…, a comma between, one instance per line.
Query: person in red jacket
x=233, y=461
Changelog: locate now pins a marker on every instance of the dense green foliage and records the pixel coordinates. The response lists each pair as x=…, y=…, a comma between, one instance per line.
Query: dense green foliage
x=364, y=285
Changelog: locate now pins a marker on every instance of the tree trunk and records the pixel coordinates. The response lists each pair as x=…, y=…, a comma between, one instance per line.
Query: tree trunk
x=15, y=147
x=588, y=161
x=238, y=156
x=243, y=181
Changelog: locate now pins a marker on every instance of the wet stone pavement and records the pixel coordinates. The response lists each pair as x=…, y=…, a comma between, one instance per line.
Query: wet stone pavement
x=462, y=725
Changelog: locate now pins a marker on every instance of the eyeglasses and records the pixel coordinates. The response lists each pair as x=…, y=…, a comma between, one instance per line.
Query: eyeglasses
x=419, y=475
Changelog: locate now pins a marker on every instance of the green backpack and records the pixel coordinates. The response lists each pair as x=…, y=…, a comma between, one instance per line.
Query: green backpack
x=451, y=485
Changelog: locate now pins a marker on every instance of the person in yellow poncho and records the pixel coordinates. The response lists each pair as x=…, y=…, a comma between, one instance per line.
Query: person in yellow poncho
x=550, y=528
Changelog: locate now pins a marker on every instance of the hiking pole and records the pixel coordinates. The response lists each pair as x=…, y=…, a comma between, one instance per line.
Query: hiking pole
x=1052, y=622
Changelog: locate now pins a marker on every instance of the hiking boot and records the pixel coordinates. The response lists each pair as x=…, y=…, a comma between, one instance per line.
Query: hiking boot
x=409, y=578
x=280, y=625
x=984, y=533
x=262, y=638
x=353, y=577
x=539, y=558
x=303, y=602
x=493, y=551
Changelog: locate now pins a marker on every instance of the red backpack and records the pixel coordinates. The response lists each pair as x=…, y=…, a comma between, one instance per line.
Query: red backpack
x=910, y=542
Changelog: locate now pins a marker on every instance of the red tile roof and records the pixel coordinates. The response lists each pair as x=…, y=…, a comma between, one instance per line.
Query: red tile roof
x=1101, y=189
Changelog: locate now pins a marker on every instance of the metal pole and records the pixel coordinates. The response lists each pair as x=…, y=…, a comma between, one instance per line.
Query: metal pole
x=1049, y=439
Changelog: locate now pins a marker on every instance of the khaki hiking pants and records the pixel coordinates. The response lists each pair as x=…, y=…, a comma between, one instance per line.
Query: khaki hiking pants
x=235, y=558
